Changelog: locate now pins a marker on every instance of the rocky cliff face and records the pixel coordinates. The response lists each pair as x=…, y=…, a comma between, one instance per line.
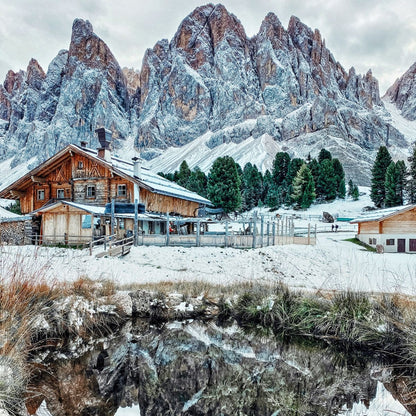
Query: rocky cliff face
x=210, y=79
x=403, y=93
x=83, y=88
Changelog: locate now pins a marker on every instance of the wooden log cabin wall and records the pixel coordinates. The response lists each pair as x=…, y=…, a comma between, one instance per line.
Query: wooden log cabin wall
x=80, y=176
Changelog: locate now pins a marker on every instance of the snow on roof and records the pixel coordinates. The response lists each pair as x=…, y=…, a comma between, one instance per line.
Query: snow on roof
x=93, y=209
x=152, y=180
x=4, y=213
x=381, y=214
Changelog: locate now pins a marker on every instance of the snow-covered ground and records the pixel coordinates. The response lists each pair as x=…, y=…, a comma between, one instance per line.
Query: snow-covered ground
x=331, y=264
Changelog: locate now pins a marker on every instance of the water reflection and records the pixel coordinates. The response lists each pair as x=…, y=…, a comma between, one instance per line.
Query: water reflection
x=192, y=368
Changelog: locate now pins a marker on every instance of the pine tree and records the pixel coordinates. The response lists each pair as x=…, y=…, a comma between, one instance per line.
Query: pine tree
x=355, y=193
x=390, y=186
x=315, y=169
x=350, y=187
x=303, y=188
x=394, y=184
x=411, y=183
x=378, y=191
x=198, y=182
x=326, y=187
x=280, y=167
x=324, y=155
x=224, y=184
x=183, y=174
x=267, y=181
x=252, y=186
x=339, y=178
x=274, y=197
x=401, y=181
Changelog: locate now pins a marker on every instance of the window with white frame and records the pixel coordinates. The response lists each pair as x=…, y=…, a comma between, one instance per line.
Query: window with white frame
x=91, y=193
x=122, y=190
x=390, y=242
x=41, y=194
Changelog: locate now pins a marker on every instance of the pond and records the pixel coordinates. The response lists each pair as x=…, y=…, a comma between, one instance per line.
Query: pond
x=196, y=368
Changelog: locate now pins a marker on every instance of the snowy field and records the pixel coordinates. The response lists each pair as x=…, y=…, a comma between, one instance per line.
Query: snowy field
x=332, y=264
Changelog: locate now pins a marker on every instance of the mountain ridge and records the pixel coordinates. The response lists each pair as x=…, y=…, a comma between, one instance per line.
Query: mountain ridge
x=210, y=81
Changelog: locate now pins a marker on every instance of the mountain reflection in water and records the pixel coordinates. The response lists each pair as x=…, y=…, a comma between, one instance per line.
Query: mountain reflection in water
x=193, y=368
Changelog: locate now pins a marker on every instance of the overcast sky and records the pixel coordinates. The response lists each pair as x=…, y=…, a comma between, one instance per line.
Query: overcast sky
x=376, y=34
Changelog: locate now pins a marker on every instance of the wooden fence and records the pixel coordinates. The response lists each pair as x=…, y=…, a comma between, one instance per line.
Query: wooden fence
x=251, y=233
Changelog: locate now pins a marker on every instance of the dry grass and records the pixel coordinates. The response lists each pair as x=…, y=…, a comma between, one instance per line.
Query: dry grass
x=201, y=288
x=27, y=297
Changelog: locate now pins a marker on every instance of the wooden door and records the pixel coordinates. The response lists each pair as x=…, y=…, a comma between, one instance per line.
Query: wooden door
x=401, y=245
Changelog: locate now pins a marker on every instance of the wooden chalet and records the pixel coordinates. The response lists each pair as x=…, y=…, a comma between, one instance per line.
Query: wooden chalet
x=393, y=228
x=68, y=193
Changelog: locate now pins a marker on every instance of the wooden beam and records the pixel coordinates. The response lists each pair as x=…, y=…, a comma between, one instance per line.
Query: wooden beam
x=17, y=194
x=38, y=179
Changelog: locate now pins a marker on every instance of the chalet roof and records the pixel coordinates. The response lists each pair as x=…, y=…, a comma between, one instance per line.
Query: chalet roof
x=381, y=214
x=148, y=180
x=92, y=209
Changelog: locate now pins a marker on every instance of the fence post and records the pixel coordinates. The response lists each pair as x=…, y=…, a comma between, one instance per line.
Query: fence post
x=268, y=233
x=91, y=248
x=226, y=233
x=262, y=230
x=113, y=210
x=167, y=229
x=254, y=229
x=274, y=232
x=105, y=243
x=309, y=234
x=198, y=231
x=286, y=229
x=136, y=222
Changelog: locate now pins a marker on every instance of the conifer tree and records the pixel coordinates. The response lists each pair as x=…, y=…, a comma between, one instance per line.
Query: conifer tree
x=315, y=168
x=280, y=167
x=324, y=155
x=411, y=183
x=224, y=184
x=326, y=188
x=339, y=178
x=267, y=181
x=252, y=186
x=394, y=184
x=378, y=190
x=353, y=191
x=303, y=188
x=274, y=196
x=293, y=168
x=350, y=187
x=198, y=182
x=183, y=175
x=401, y=182
x=355, y=194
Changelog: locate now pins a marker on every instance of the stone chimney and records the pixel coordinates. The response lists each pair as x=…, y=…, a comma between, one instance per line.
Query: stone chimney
x=104, y=137
x=137, y=166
